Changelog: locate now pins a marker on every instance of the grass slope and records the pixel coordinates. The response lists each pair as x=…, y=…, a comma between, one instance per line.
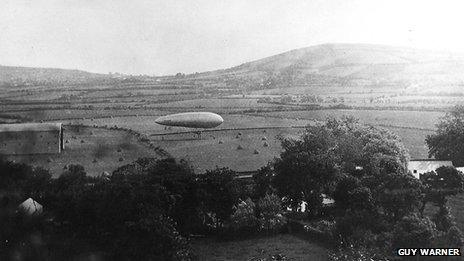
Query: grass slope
x=291, y=247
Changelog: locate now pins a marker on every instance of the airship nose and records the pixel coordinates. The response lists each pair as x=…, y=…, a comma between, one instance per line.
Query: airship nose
x=159, y=120
x=220, y=119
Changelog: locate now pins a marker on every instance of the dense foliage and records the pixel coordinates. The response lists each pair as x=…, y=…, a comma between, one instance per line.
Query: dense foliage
x=448, y=141
x=378, y=204
x=127, y=215
x=143, y=211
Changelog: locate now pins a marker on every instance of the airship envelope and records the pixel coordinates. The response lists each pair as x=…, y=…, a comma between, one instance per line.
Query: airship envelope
x=191, y=120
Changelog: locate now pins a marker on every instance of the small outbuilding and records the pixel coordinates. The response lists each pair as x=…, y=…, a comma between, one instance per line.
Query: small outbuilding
x=418, y=167
x=30, y=207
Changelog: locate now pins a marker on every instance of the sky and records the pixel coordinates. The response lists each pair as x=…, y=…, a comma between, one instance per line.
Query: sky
x=165, y=37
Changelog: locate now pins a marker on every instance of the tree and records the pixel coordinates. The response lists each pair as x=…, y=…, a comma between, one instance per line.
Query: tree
x=343, y=159
x=263, y=182
x=306, y=168
x=244, y=219
x=441, y=183
x=270, y=213
x=178, y=178
x=218, y=195
x=350, y=194
x=448, y=141
x=17, y=183
x=414, y=232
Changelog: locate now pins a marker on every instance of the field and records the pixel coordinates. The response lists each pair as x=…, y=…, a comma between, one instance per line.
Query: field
x=291, y=247
x=218, y=148
x=98, y=150
x=395, y=118
x=221, y=143
x=135, y=103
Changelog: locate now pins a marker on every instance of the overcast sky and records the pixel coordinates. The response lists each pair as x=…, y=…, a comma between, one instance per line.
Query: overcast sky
x=169, y=36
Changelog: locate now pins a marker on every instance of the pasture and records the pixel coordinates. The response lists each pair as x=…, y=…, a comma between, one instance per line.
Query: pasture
x=136, y=107
x=239, y=150
x=395, y=118
x=207, y=153
x=96, y=149
x=283, y=245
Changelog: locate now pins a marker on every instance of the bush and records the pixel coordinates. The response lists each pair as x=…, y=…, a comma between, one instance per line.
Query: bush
x=443, y=219
x=352, y=226
x=454, y=237
x=270, y=213
x=414, y=232
x=244, y=217
x=328, y=228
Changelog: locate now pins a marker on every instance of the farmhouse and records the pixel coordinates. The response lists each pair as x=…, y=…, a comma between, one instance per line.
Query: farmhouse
x=31, y=138
x=420, y=166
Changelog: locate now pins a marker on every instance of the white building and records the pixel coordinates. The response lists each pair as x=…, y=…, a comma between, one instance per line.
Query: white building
x=418, y=167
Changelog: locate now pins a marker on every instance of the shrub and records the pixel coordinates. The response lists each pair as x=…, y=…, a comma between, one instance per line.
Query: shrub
x=244, y=218
x=270, y=213
x=443, y=219
x=328, y=228
x=355, y=223
x=414, y=232
x=454, y=237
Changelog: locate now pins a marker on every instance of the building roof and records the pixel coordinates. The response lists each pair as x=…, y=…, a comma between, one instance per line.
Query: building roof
x=423, y=166
x=30, y=207
x=17, y=127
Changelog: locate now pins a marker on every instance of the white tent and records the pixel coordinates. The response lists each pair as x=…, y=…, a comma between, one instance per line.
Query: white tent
x=30, y=207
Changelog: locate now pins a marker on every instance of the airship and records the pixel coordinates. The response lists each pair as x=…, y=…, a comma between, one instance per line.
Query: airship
x=203, y=120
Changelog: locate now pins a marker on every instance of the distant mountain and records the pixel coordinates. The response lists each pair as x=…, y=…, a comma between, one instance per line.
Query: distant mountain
x=335, y=65
x=29, y=76
x=347, y=65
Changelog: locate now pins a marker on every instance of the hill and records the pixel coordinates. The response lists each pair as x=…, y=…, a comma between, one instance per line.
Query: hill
x=346, y=65
x=30, y=76
x=338, y=66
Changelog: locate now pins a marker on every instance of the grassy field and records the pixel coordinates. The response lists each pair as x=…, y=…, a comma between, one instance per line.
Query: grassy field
x=412, y=119
x=221, y=148
x=411, y=126
x=96, y=149
x=207, y=153
x=293, y=248
x=147, y=125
